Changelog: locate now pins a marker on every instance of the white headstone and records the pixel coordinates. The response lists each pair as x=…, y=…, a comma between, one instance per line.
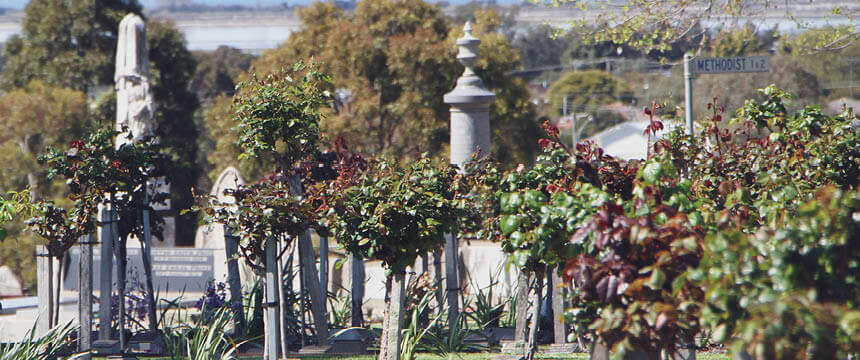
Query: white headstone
x=212, y=236
x=9, y=284
x=135, y=107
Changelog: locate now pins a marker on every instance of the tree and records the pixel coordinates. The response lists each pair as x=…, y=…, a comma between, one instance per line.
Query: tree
x=390, y=64
x=650, y=25
x=65, y=43
x=587, y=91
x=394, y=215
x=31, y=119
x=390, y=71
x=507, y=16
x=540, y=46
x=217, y=70
x=740, y=42
x=37, y=116
x=72, y=44
x=172, y=67
x=218, y=120
x=834, y=69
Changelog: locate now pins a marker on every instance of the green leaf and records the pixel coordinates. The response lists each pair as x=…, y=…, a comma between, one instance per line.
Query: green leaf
x=509, y=224
x=657, y=279
x=651, y=172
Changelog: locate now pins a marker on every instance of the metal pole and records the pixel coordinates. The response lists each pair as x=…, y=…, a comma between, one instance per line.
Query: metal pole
x=324, y=271
x=272, y=348
x=688, y=93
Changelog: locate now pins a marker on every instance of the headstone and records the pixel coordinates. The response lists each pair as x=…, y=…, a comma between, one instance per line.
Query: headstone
x=135, y=105
x=470, y=131
x=174, y=269
x=9, y=284
x=350, y=341
x=212, y=236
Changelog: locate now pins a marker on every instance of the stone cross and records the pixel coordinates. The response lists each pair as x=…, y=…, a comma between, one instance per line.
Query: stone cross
x=470, y=131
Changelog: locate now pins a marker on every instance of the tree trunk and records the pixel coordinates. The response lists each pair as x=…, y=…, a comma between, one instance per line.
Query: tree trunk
x=532, y=346
x=307, y=260
x=231, y=247
x=394, y=324
x=522, y=307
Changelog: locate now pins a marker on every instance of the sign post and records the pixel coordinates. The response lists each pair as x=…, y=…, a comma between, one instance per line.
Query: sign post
x=688, y=94
x=704, y=65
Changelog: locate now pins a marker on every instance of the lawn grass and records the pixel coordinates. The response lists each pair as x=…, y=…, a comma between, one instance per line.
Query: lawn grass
x=462, y=356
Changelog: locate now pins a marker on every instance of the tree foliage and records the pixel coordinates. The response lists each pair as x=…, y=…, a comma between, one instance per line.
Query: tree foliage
x=217, y=71
x=654, y=25
x=391, y=62
x=65, y=43
x=277, y=117
x=741, y=42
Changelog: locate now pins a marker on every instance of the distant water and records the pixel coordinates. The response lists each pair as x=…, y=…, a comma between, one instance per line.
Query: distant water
x=251, y=39
x=151, y=4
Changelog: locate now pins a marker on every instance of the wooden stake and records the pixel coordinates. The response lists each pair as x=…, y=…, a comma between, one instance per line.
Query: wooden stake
x=85, y=294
